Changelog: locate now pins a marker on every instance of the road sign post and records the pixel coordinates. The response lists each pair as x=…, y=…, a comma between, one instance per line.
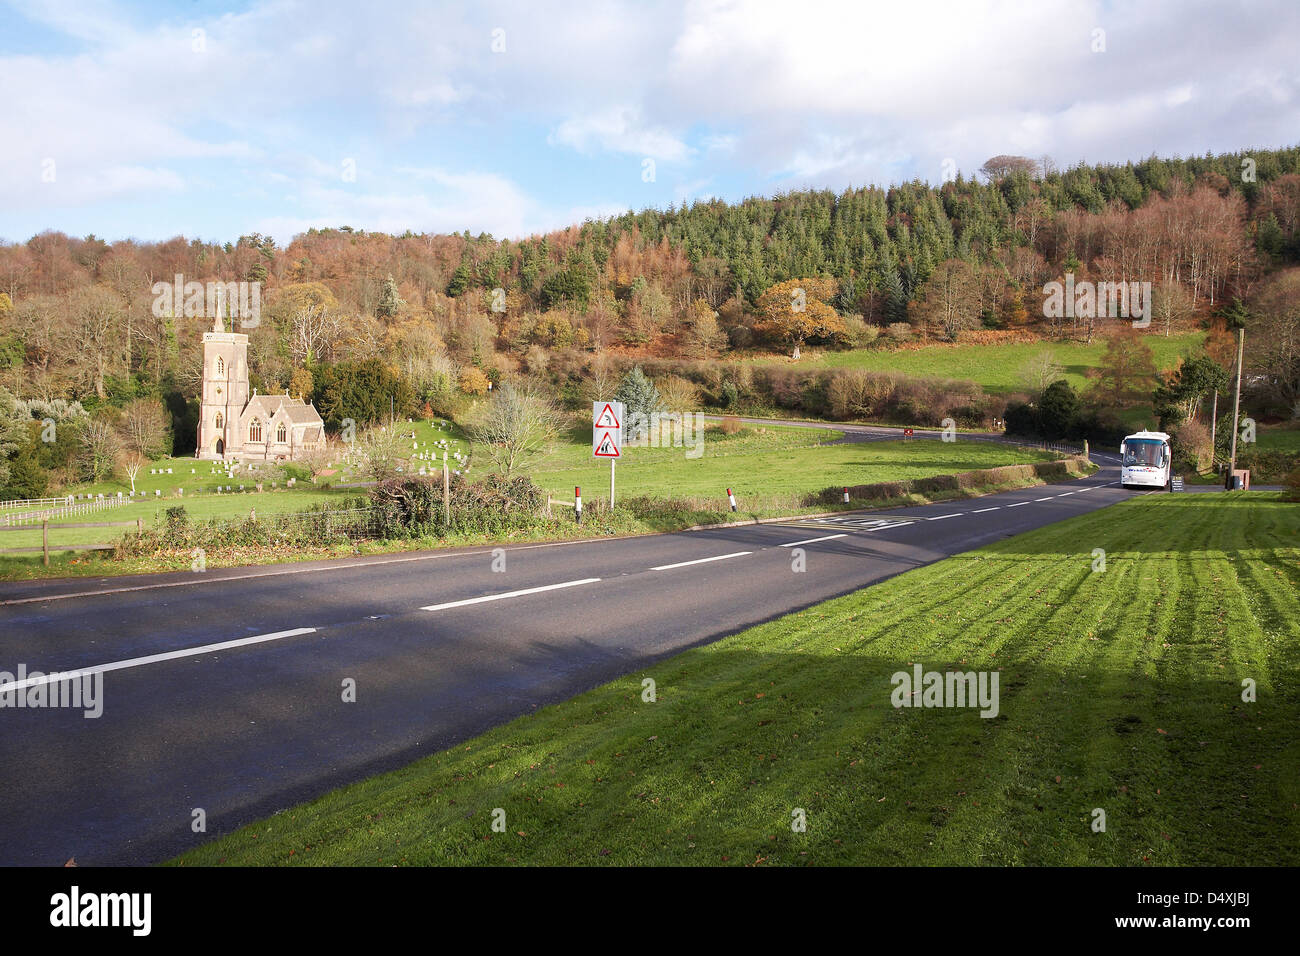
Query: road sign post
x=607, y=436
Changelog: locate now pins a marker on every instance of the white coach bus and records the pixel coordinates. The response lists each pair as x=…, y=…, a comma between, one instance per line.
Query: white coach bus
x=1146, y=460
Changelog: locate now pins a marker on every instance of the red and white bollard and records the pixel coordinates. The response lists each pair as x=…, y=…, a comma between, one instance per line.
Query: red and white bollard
x=846, y=494
x=577, y=502
x=732, y=499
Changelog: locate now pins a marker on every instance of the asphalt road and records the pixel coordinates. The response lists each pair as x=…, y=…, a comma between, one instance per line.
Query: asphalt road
x=439, y=644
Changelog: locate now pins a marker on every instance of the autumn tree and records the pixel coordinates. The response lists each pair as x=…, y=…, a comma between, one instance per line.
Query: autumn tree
x=798, y=310
x=1127, y=371
x=473, y=381
x=951, y=298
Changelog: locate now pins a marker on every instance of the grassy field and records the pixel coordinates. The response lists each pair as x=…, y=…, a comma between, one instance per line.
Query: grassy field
x=1119, y=689
x=765, y=460
x=1279, y=438
x=761, y=464
x=997, y=368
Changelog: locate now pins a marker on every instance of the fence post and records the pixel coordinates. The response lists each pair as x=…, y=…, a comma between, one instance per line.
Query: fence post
x=139, y=527
x=45, y=541
x=446, y=495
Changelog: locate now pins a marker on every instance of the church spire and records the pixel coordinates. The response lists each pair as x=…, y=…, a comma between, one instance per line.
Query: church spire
x=218, y=325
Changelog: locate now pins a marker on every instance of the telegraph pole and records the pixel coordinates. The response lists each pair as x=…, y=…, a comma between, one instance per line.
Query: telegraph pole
x=1236, y=405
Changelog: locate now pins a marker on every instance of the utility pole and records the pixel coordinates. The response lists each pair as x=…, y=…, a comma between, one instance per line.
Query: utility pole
x=1236, y=405
x=1214, y=427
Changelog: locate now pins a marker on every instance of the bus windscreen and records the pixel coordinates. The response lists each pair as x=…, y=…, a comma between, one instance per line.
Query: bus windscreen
x=1143, y=452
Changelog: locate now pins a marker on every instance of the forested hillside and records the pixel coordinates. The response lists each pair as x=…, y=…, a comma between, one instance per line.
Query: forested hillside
x=702, y=285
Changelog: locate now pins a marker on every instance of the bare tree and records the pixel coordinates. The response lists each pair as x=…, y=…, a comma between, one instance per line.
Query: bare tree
x=1040, y=371
x=96, y=313
x=384, y=452
x=952, y=298
x=1172, y=303
x=145, y=427
x=132, y=462
x=99, y=446
x=519, y=424
x=1002, y=166
x=604, y=378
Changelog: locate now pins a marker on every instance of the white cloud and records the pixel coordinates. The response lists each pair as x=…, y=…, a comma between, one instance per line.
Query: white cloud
x=620, y=130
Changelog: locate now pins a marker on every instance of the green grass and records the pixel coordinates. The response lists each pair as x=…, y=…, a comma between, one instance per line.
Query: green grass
x=768, y=460
x=1278, y=438
x=1120, y=690
x=997, y=368
x=769, y=468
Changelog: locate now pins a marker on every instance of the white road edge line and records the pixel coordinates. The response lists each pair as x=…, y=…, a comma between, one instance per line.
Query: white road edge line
x=1048, y=498
x=508, y=594
x=716, y=557
x=1018, y=504
x=792, y=544
x=983, y=510
x=73, y=672
x=956, y=514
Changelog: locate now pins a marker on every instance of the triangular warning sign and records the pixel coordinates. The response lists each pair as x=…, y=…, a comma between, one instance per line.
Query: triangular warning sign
x=606, y=447
x=607, y=418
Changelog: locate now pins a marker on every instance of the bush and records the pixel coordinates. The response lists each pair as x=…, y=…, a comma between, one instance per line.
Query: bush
x=899, y=331
x=411, y=506
x=1191, y=446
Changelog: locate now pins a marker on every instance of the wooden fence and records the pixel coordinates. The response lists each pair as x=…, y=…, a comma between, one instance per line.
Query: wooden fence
x=34, y=503
x=45, y=546
x=67, y=509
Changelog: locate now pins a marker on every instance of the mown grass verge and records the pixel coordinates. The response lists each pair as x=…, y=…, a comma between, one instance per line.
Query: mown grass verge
x=1121, y=690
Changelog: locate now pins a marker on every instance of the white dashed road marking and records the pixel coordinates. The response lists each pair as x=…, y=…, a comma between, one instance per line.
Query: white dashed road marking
x=716, y=557
x=152, y=659
x=508, y=594
x=793, y=544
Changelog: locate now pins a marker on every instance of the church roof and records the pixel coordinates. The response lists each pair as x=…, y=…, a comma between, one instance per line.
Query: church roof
x=295, y=409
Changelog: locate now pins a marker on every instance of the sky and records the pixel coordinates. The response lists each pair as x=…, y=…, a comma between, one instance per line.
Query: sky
x=210, y=120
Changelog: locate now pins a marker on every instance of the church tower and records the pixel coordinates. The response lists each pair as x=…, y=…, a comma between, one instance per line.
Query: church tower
x=225, y=392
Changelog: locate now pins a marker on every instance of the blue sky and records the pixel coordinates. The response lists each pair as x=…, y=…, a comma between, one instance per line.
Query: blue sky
x=212, y=120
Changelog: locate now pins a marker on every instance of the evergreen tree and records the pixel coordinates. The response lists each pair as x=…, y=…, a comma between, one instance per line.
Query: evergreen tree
x=389, y=300
x=640, y=400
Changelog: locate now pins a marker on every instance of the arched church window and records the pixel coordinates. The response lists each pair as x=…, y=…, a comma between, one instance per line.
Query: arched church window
x=280, y=435
x=221, y=420
x=221, y=365
x=255, y=431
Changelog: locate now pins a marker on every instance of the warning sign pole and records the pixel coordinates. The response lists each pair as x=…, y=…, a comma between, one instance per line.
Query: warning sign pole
x=611, y=483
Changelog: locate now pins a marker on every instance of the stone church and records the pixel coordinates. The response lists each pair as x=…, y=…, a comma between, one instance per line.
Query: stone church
x=234, y=426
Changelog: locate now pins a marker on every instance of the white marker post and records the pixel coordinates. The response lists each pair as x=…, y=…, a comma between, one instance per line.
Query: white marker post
x=732, y=499
x=607, y=436
x=577, y=502
x=846, y=494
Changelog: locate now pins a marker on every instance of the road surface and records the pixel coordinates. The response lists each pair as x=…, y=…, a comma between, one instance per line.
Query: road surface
x=223, y=690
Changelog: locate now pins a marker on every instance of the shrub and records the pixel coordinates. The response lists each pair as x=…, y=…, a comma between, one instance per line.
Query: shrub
x=899, y=331
x=473, y=381
x=1191, y=446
